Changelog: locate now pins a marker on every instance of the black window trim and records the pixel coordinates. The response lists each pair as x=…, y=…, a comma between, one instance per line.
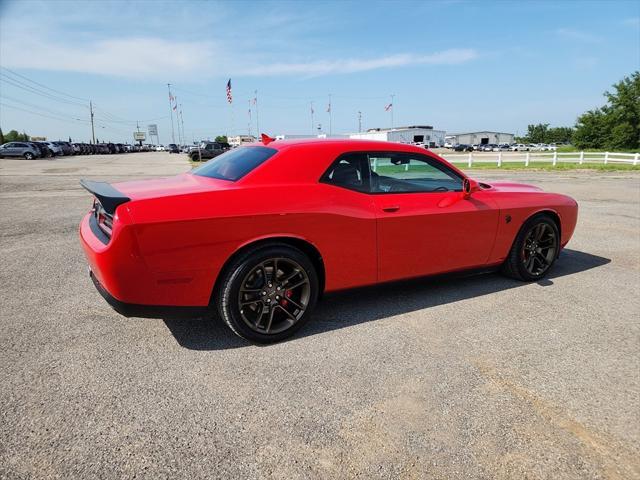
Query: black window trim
x=367, y=191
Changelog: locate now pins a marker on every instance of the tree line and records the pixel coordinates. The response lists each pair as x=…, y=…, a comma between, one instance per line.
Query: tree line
x=614, y=126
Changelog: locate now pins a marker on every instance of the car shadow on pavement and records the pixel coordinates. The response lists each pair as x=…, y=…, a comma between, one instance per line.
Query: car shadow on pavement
x=352, y=307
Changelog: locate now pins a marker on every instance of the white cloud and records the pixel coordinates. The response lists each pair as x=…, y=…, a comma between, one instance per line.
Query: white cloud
x=128, y=57
x=353, y=65
x=578, y=35
x=151, y=57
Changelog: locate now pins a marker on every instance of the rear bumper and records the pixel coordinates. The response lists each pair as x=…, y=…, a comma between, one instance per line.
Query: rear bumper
x=147, y=311
x=125, y=277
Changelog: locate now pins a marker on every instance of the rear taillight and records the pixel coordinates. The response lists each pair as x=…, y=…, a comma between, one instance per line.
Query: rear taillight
x=103, y=219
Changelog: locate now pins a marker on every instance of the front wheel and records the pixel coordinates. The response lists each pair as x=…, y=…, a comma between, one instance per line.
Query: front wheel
x=28, y=156
x=267, y=295
x=534, y=250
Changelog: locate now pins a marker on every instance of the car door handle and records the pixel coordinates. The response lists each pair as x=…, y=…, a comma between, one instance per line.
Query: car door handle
x=391, y=208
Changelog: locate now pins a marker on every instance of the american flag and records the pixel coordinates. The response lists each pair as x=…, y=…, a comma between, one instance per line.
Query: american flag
x=388, y=107
x=175, y=107
x=171, y=97
x=329, y=108
x=229, y=96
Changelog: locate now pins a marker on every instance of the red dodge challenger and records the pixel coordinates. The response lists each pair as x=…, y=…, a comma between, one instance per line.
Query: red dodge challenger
x=260, y=232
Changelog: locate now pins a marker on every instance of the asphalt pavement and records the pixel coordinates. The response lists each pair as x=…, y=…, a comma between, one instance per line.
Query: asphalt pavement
x=477, y=377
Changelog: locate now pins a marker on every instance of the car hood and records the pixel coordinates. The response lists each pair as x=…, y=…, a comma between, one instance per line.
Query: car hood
x=183, y=184
x=513, y=187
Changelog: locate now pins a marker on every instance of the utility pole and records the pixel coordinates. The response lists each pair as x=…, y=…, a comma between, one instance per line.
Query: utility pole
x=249, y=123
x=93, y=132
x=359, y=121
x=393, y=107
x=173, y=135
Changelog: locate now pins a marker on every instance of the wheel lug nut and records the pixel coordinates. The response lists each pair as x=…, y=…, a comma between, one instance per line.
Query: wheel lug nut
x=264, y=293
x=268, y=300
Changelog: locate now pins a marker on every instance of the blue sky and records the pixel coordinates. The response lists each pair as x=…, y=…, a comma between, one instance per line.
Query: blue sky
x=456, y=65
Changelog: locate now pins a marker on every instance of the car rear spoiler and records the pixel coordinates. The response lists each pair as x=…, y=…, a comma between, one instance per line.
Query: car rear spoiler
x=108, y=196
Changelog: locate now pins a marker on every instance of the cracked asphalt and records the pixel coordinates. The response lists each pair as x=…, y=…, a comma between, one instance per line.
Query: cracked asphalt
x=477, y=377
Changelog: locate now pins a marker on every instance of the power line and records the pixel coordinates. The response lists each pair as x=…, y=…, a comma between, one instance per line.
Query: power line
x=28, y=88
x=72, y=120
x=43, y=86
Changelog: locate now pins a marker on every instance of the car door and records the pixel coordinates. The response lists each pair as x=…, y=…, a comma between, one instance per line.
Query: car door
x=425, y=225
x=10, y=150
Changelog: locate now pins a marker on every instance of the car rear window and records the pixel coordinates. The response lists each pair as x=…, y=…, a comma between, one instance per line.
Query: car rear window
x=234, y=164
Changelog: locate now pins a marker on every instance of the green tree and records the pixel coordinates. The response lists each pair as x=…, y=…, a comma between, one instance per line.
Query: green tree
x=591, y=130
x=559, y=135
x=12, y=136
x=616, y=125
x=1, y=137
x=221, y=138
x=537, y=133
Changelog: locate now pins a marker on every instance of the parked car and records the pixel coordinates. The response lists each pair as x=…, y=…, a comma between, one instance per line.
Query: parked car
x=77, y=150
x=463, y=148
x=448, y=145
x=504, y=147
x=260, y=235
x=56, y=149
x=160, y=148
x=45, y=151
x=209, y=150
x=173, y=148
x=24, y=150
x=519, y=147
x=66, y=147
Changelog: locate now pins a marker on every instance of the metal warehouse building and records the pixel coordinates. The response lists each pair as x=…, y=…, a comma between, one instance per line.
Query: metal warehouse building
x=413, y=134
x=481, y=138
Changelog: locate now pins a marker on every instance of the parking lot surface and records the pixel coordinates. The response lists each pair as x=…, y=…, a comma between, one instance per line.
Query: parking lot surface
x=476, y=377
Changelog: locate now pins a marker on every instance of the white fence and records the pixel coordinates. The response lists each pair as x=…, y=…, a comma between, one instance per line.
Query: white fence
x=533, y=158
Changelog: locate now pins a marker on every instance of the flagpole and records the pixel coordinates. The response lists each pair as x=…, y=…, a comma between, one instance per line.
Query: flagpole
x=184, y=140
x=393, y=107
x=249, y=124
x=312, y=119
x=257, y=120
x=173, y=135
x=330, y=115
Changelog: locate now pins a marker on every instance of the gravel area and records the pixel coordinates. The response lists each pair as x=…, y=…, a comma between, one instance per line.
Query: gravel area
x=477, y=377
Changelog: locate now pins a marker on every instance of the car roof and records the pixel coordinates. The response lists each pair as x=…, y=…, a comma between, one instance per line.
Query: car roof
x=343, y=143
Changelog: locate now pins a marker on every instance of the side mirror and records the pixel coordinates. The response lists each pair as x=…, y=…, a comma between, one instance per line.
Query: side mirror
x=469, y=186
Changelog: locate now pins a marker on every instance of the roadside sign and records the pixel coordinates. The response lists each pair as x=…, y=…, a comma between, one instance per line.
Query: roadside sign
x=139, y=136
x=153, y=130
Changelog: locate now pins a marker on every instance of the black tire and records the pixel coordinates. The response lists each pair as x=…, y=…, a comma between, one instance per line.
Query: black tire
x=232, y=290
x=522, y=256
x=28, y=156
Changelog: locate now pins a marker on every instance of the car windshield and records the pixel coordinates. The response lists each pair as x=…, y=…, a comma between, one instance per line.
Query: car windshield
x=234, y=164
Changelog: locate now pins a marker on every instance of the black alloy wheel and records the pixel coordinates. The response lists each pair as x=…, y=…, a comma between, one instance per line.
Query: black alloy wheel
x=267, y=294
x=274, y=295
x=539, y=249
x=534, y=250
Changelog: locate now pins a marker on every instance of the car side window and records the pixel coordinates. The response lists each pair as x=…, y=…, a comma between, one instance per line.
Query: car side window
x=406, y=172
x=349, y=171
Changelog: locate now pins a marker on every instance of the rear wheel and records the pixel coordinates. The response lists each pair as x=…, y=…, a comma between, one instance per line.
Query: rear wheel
x=267, y=295
x=28, y=156
x=534, y=250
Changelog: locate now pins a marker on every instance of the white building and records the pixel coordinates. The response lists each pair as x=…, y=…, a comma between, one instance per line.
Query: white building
x=412, y=134
x=480, y=138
